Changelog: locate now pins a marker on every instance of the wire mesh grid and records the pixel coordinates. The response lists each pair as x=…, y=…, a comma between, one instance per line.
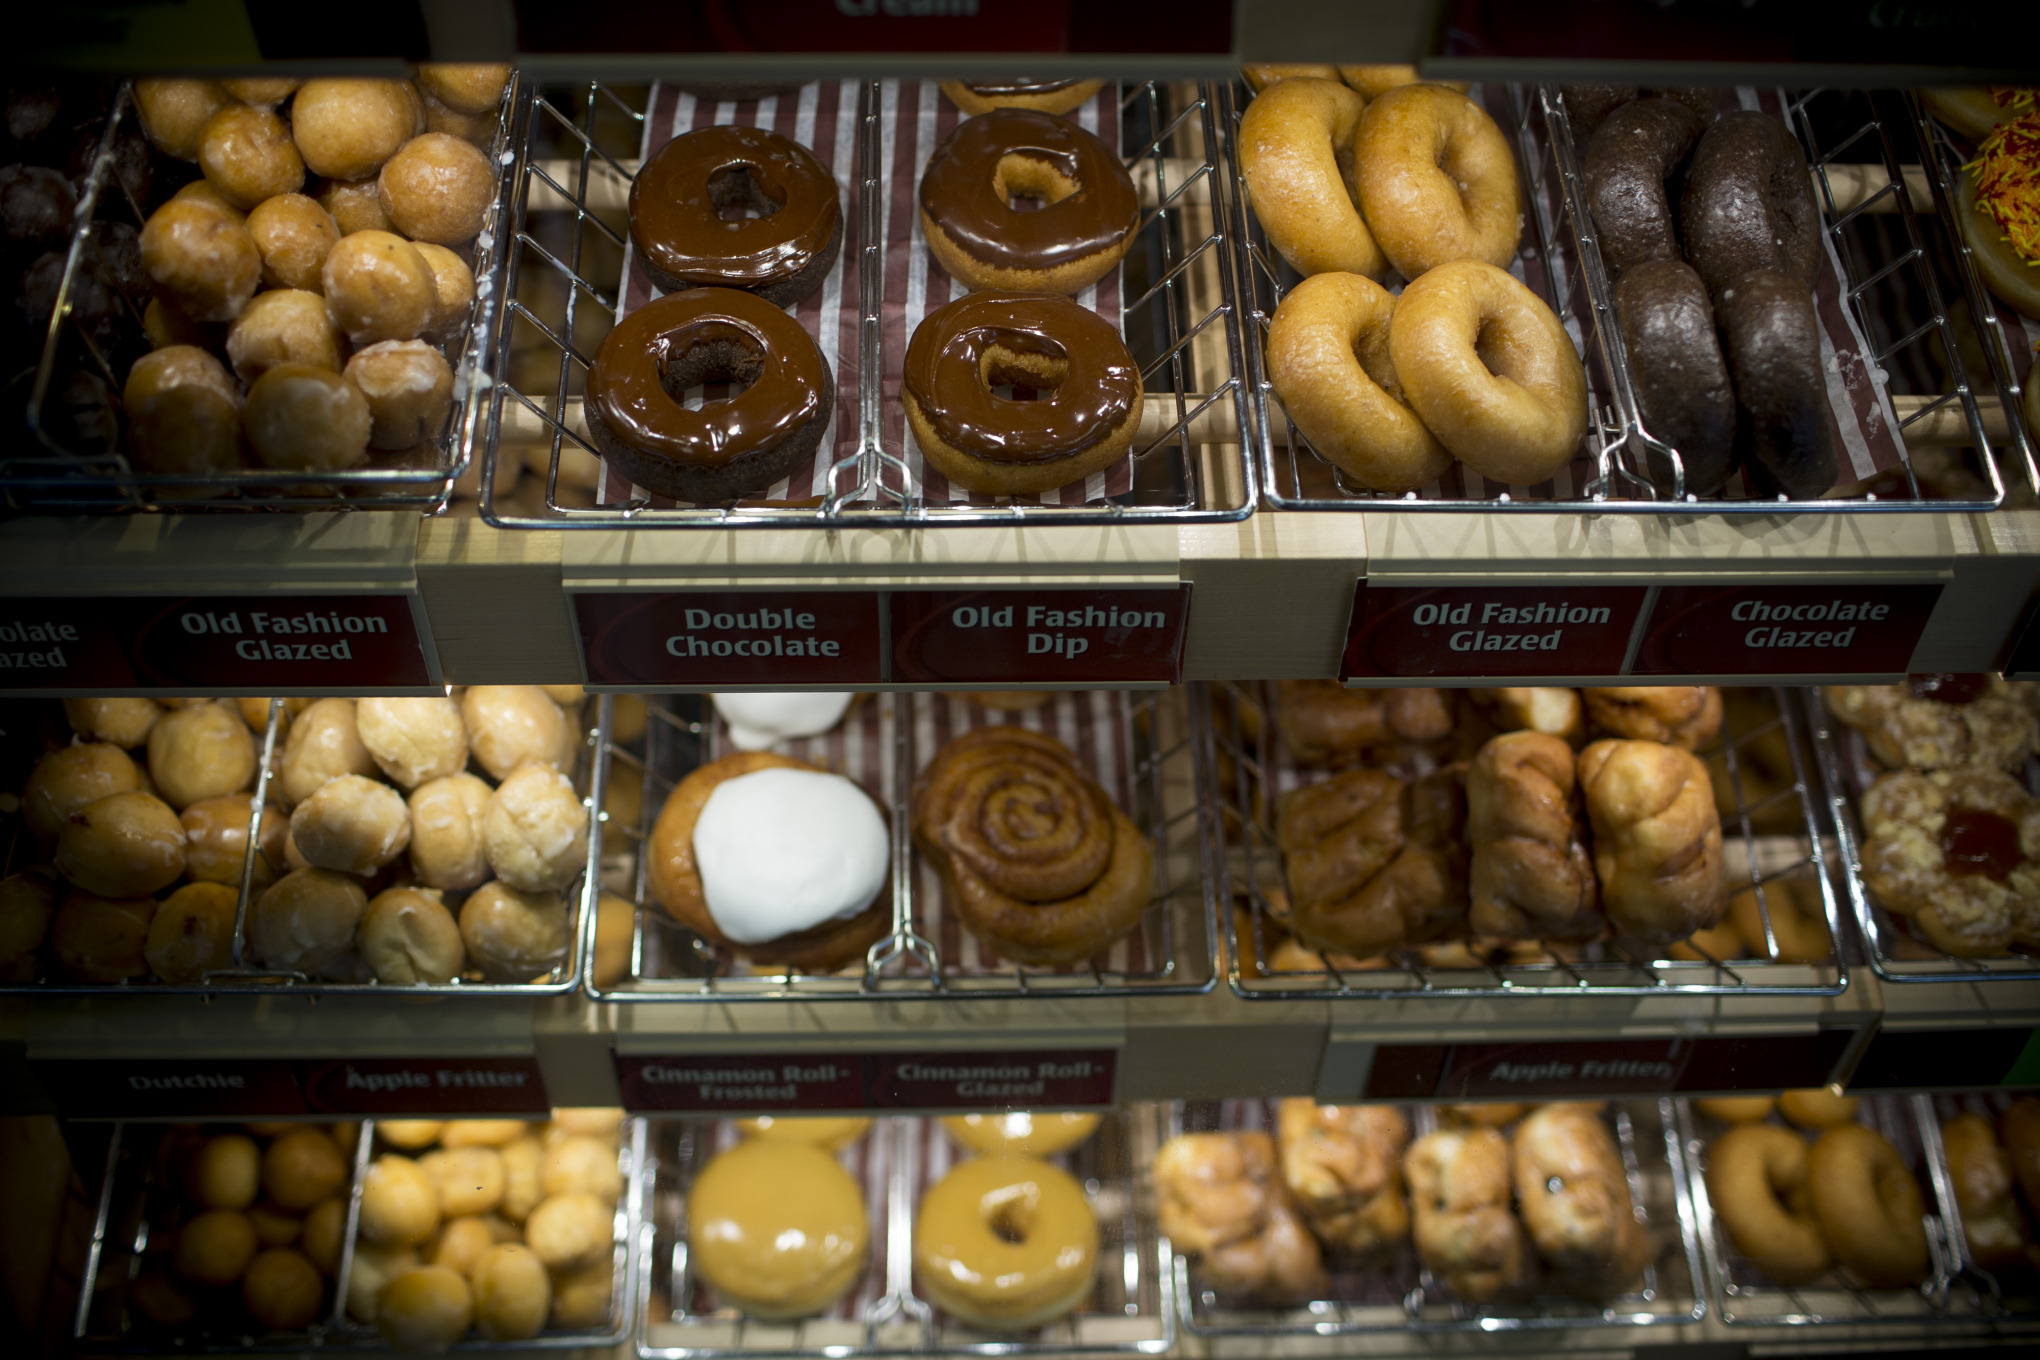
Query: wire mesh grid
x=1772, y=841
x=62, y=472
x=2002, y=1266
x=1953, y=1292
x=247, y=975
x=1169, y=952
x=1179, y=320
x=1128, y=1311
x=1397, y=1292
x=135, y=1224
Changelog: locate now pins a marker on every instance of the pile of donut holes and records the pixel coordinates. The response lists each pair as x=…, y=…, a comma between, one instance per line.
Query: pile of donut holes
x=404, y=841
x=305, y=284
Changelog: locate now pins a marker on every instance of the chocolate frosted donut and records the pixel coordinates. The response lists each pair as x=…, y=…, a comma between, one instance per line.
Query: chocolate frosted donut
x=1629, y=158
x=1020, y=92
x=678, y=198
x=1587, y=105
x=1749, y=203
x=1083, y=423
x=1680, y=377
x=1774, y=351
x=727, y=449
x=1088, y=216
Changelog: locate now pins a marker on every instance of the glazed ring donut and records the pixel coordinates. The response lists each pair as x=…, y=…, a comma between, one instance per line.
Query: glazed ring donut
x=1088, y=216
x=1748, y=203
x=1436, y=180
x=1517, y=422
x=1328, y=358
x=1260, y=75
x=2009, y=270
x=1816, y=1109
x=1295, y=139
x=728, y=449
x=1629, y=158
x=1006, y=1243
x=1372, y=82
x=676, y=223
x=1736, y=1109
x=983, y=442
x=1753, y=1172
x=1019, y=1132
x=1773, y=337
x=1970, y=109
x=1681, y=379
x=1797, y=924
x=1869, y=1205
x=1018, y=92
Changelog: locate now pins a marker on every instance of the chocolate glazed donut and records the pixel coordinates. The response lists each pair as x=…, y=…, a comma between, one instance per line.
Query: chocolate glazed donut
x=677, y=201
x=1681, y=381
x=730, y=448
x=1631, y=155
x=1748, y=203
x=1774, y=351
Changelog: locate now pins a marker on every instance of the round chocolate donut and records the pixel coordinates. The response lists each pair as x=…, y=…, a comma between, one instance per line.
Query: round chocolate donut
x=1020, y=92
x=1587, y=105
x=679, y=196
x=1629, y=158
x=1748, y=203
x=1681, y=380
x=1773, y=340
x=727, y=449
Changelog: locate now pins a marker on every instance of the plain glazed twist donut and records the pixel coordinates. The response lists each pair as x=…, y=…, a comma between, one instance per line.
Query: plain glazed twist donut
x=1296, y=151
x=1754, y=1172
x=1490, y=370
x=1869, y=1206
x=1328, y=358
x=1006, y=1243
x=1436, y=180
x=1221, y=1199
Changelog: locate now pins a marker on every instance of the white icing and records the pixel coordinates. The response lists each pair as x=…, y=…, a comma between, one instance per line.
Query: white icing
x=782, y=851
x=758, y=721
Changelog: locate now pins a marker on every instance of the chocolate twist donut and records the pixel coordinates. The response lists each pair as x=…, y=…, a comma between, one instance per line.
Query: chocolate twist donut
x=1773, y=339
x=1631, y=155
x=677, y=201
x=1748, y=203
x=1681, y=380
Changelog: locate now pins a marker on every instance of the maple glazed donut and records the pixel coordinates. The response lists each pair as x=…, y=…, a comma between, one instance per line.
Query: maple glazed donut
x=1020, y=92
x=1006, y=1243
x=1755, y=1173
x=1296, y=150
x=1490, y=371
x=727, y=449
x=1084, y=422
x=677, y=226
x=1436, y=180
x=1088, y=216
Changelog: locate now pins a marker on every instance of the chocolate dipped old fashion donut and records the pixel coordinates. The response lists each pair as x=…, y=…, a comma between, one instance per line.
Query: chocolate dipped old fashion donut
x=1084, y=422
x=729, y=448
x=1088, y=215
x=679, y=198
x=1020, y=92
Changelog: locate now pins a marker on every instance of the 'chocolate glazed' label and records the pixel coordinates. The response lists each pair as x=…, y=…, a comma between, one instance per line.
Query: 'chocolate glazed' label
x=962, y=192
x=676, y=205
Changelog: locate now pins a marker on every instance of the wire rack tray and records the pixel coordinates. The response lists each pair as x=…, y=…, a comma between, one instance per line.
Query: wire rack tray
x=1609, y=476
x=132, y=1201
x=575, y=150
x=2012, y=1292
x=1129, y=1312
x=248, y=977
x=1847, y=770
x=1398, y=1294
x=1954, y=1294
x=57, y=475
x=1773, y=836
x=1170, y=952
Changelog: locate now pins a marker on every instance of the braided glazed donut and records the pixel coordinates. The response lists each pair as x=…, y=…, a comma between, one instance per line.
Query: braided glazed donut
x=1532, y=875
x=1490, y=371
x=1465, y=1231
x=1869, y=1206
x=1296, y=150
x=1436, y=180
x=1221, y=1200
x=1982, y=1176
x=1324, y=723
x=1040, y=863
x=1686, y=716
x=1574, y=1196
x=1371, y=862
x=1657, y=838
x=1343, y=1167
x=1749, y=1169
x=1328, y=358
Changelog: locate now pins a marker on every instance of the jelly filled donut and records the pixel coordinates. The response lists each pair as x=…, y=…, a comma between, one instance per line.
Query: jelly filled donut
x=984, y=442
x=1088, y=216
x=679, y=197
x=729, y=448
x=1020, y=92
x=1436, y=180
x=1748, y=203
x=1773, y=340
x=1681, y=379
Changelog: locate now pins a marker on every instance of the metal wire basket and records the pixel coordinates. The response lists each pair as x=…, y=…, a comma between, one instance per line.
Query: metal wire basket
x=1149, y=758
x=1399, y=1294
x=57, y=473
x=576, y=152
x=1771, y=836
x=1130, y=1311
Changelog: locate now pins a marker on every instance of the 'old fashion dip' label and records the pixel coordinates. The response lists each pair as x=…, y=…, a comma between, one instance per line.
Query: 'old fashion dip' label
x=703, y=638
x=1422, y=631
x=1102, y=636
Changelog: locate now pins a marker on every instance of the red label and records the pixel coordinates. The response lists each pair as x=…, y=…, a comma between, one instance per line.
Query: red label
x=1590, y=1068
x=1040, y=636
x=1604, y=1067
x=730, y=1083
x=695, y=638
x=171, y=1088
x=1785, y=630
x=1423, y=631
x=454, y=1086
x=1044, y=1079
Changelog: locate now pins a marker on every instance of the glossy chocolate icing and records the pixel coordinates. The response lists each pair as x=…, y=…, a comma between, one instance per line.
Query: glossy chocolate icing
x=959, y=194
x=677, y=198
x=1017, y=85
x=671, y=342
x=951, y=369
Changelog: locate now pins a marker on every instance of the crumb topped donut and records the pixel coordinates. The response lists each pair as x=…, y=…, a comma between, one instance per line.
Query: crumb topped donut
x=1956, y=851
x=1020, y=92
x=1937, y=721
x=1296, y=153
x=1436, y=180
x=1087, y=219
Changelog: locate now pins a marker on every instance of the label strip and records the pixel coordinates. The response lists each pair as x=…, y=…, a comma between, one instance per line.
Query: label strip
x=238, y=1088
x=775, y=1082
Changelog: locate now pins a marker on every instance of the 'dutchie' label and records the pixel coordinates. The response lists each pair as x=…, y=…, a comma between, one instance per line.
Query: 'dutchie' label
x=687, y=638
x=1785, y=630
x=424, y=1086
x=1110, y=636
x=171, y=1088
x=1056, y=1079
x=1555, y=630
x=751, y=1082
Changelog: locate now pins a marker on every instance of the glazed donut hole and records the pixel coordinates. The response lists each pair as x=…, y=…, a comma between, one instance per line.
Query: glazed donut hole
x=306, y=921
x=293, y=235
x=409, y=1134
x=584, y=1165
x=374, y=1268
x=352, y=824
x=192, y=934
x=324, y=743
x=513, y=936
x=408, y=937
x=399, y=1203
x=535, y=831
x=347, y=127
x=214, y=1248
x=447, y=850
x=437, y=188
x=465, y=87
x=426, y=1308
x=513, y=1294
x=264, y=92
x=118, y=722
x=301, y=1167
x=124, y=845
x=523, y=1165
x=71, y=780
x=200, y=256
x=282, y=1290
x=470, y=1179
x=199, y=753
x=353, y=204
x=248, y=155
x=587, y=1121
x=306, y=419
x=581, y=1295
x=513, y=725
x=225, y=1172
x=274, y=1227
x=27, y=902
x=495, y=1133
x=378, y=287
x=460, y=1244
x=615, y=924
x=453, y=291
x=216, y=840
x=324, y=1227
x=163, y=326
x=479, y=128
x=409, y=388
x=283, y=326
x=184, y=412
x=174, y=113
x=101, y=940
x=570, y=1230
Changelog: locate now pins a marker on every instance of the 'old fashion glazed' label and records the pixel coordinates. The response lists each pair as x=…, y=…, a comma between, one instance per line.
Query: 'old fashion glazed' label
x=1771, y=630
x=708, y=638
x=1552, y=630
x=1040, y=636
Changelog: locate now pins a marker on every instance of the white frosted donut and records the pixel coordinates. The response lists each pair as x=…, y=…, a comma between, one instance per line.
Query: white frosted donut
x=781, y=851
x=759, y=721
